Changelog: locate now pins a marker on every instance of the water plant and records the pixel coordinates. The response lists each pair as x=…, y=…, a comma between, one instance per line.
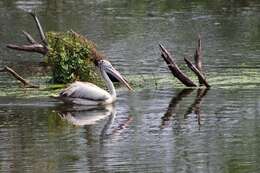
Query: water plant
x=70, y=55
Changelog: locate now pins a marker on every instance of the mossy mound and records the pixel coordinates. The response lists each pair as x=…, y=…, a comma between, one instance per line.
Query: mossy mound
x=71, y=57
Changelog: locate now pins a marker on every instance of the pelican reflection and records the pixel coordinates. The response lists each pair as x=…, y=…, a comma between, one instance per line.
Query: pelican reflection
x=81, y=115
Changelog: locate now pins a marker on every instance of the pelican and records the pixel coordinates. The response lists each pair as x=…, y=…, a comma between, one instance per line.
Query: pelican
x=84, y=93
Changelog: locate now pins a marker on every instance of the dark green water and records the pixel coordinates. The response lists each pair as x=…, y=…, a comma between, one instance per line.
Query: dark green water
x=155, y=129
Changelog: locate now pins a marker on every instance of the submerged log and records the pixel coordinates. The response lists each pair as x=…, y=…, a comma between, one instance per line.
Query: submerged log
x=176, y=71
x=25, y=83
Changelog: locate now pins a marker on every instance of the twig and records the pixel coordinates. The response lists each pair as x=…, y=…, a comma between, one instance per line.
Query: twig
x=198, y=60
x=200, y=76
x=38, y=24
x=175, y=69
x=198, y=55
x=29, y=37
x=18, y=77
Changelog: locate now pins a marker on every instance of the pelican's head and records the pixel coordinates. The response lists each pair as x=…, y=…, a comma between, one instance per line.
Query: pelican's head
x=106, y=66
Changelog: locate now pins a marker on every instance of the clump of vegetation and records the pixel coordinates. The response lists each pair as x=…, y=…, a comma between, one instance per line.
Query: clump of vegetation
x=71, y=57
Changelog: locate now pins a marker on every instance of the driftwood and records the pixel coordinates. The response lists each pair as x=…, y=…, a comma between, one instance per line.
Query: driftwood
x=34, y=46
x=25, y=83
x=197, y=68
x=176, y=71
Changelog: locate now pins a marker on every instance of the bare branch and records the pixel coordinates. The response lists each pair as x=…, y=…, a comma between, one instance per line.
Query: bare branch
x=38, y=24
x=198, y=59
x=198, y=55
x=29, y=37
x=30, y=48
x=200, y=76
x=18, y=77
x=176, y=71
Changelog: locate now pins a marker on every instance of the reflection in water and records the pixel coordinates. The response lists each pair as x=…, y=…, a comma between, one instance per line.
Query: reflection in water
x=81, y=115
x=201, y=92
x=174, y=104
x=195, y=106
x=86, y=116
x=28, y=5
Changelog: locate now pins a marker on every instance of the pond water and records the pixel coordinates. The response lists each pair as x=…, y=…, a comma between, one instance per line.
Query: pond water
x=166, y=128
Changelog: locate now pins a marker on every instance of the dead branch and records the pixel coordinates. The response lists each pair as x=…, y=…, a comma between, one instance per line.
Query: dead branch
x=18, y=77
x=200, y=76
x=39, y=48
x=34, y=46
x=175, y=69
x=198, y=61
x=29, y=38
x=38, y=24
x=198, y=55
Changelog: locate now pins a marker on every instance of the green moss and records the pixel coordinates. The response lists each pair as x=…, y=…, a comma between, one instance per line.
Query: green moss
x=71, y=58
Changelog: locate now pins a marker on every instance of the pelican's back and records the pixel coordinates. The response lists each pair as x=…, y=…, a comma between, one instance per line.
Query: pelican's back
x=84, y=93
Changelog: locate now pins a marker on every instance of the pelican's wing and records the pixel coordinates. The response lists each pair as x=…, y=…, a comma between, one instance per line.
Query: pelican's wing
x=85, y=90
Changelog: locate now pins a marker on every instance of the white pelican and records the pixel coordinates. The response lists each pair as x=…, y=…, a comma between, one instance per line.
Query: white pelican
x=84, y=93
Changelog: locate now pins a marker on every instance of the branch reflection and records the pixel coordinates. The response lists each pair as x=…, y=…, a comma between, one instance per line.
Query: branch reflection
x=175, y=101
x=195, y=106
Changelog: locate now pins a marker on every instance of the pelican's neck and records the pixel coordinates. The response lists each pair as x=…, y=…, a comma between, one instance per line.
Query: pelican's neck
x=109, y=84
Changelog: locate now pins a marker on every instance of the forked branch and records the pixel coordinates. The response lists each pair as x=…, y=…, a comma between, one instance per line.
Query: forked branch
x=34, y=46
x=176, y=71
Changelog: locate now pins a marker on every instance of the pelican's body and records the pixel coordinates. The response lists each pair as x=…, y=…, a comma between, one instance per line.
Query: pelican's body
x=85, y=93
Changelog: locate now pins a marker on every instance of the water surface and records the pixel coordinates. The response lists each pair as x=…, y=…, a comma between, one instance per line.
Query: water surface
x=164, y=128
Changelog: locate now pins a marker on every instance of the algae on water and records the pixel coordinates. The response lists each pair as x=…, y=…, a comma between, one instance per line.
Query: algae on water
x=71, y=57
